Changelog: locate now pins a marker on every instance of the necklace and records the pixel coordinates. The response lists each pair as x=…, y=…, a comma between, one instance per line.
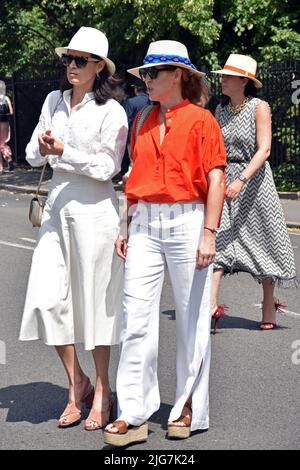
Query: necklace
x=237, y=109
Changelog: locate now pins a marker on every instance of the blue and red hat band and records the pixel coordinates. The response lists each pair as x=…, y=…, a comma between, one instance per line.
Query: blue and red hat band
x=161, y=59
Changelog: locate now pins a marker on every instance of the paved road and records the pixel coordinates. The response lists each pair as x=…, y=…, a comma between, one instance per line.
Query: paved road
x=254, y=398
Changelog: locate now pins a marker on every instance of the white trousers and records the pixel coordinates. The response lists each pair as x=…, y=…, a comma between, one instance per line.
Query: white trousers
x=159, y=234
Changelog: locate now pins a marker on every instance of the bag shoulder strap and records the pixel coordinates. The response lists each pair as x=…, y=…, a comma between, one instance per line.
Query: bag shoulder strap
x=41, y=178
x=52, y=112
x=142, y=118
x=217, y=112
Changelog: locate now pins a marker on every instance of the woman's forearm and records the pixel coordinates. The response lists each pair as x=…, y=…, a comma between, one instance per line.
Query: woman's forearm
x=215, y=198
x=256, y=162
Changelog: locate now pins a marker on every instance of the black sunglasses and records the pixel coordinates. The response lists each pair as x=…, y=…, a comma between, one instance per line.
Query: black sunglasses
x=80, y=61
x=153, y=71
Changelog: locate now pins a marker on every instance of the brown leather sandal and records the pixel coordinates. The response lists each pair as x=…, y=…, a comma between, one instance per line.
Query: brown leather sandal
x=127, y=434
x=179, y=431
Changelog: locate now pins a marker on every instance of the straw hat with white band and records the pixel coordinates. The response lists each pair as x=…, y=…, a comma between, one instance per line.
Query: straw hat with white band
x=167, y=52
x=241, y=66
x=89, y=40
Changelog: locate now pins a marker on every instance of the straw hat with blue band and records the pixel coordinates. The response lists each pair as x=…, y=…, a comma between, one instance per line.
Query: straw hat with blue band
x=167, y=52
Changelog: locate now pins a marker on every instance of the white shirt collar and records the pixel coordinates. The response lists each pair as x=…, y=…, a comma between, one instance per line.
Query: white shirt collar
x=67, y=98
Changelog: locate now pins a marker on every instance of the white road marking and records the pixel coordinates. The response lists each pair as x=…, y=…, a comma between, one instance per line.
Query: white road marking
x=16, y=245
x=30, y=240
x=284, y=312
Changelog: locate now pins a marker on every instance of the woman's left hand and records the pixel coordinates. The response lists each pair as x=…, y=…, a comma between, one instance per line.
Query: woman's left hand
x=234, y=189
x=206, y=251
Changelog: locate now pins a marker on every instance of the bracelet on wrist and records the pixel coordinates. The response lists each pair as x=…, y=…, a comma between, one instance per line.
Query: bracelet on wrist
x=212, y=230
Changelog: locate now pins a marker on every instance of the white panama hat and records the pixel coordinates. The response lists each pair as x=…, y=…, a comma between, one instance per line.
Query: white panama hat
x=241, y=66
x=166, y=52
x=89, y=40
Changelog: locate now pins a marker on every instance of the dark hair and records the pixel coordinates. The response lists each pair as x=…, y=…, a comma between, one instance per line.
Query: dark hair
x=194, y=88
x=140, y=87
x=250, y=90
x=105, y=86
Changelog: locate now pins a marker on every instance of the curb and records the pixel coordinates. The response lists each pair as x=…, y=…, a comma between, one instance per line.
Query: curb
x=293, y=225
x=44, y=192
x=287, y=195
x=23, y=189
x=32, y=189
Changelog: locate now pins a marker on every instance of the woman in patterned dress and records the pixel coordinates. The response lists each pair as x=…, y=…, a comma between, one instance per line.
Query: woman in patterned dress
x=253, y=236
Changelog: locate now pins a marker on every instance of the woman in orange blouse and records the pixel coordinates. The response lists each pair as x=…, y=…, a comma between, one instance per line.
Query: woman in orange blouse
x=175, y=195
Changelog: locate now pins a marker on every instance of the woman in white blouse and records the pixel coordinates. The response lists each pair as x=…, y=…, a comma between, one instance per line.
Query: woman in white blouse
x=74, y=291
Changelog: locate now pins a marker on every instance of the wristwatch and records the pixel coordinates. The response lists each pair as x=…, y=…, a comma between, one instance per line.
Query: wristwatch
x=243, y=178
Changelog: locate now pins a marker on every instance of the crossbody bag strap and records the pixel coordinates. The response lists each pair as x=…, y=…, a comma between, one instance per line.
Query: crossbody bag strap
x=41, y=178
x=142, y=118
x=45, y=162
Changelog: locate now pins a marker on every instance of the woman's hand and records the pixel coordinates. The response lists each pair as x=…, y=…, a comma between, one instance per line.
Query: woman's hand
x=121, y=246
x=206, y=251
x=48, y=145
x=234, y=189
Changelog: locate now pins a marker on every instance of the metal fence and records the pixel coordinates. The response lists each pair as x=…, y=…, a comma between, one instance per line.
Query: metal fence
x=28, y=97
x=278, y=79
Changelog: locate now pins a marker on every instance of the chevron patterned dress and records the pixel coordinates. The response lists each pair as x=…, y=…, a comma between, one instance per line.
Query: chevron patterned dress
x=253, y=236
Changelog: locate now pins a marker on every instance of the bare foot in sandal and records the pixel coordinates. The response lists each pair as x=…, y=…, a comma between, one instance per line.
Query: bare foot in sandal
x=181, y=429
x=119, y=433
x=72, y=413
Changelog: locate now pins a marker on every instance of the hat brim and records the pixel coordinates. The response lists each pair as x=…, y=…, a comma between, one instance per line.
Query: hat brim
x=257, y=83
x=135, y=70
x=110, y=65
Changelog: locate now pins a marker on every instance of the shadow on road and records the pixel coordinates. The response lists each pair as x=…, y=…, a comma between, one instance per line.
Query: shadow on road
x=228, y=322
x=35, y=402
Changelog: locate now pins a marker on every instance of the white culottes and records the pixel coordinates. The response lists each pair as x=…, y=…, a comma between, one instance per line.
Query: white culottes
x=75, y=286
x=162, y=233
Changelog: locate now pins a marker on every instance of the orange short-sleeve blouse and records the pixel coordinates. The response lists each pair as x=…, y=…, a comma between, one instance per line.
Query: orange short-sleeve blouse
x=176, y=169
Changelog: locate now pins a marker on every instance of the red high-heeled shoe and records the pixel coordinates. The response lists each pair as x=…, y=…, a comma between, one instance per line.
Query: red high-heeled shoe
x=267, y=325
x=218, y=313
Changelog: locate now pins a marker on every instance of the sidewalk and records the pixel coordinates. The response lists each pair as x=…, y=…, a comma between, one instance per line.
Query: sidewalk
x=25, y=180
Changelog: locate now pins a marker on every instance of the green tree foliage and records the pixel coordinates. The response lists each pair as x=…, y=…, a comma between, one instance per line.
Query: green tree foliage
x=29, y=30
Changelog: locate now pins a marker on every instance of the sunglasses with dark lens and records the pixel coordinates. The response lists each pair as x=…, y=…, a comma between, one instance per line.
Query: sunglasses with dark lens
x=152, y=72
x=80, y=61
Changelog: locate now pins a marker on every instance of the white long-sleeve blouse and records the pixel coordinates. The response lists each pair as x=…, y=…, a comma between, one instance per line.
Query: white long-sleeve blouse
x=94, y=136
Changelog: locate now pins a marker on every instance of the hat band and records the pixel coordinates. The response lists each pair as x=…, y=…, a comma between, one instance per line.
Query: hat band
x=236, y=69
x=160, y=59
